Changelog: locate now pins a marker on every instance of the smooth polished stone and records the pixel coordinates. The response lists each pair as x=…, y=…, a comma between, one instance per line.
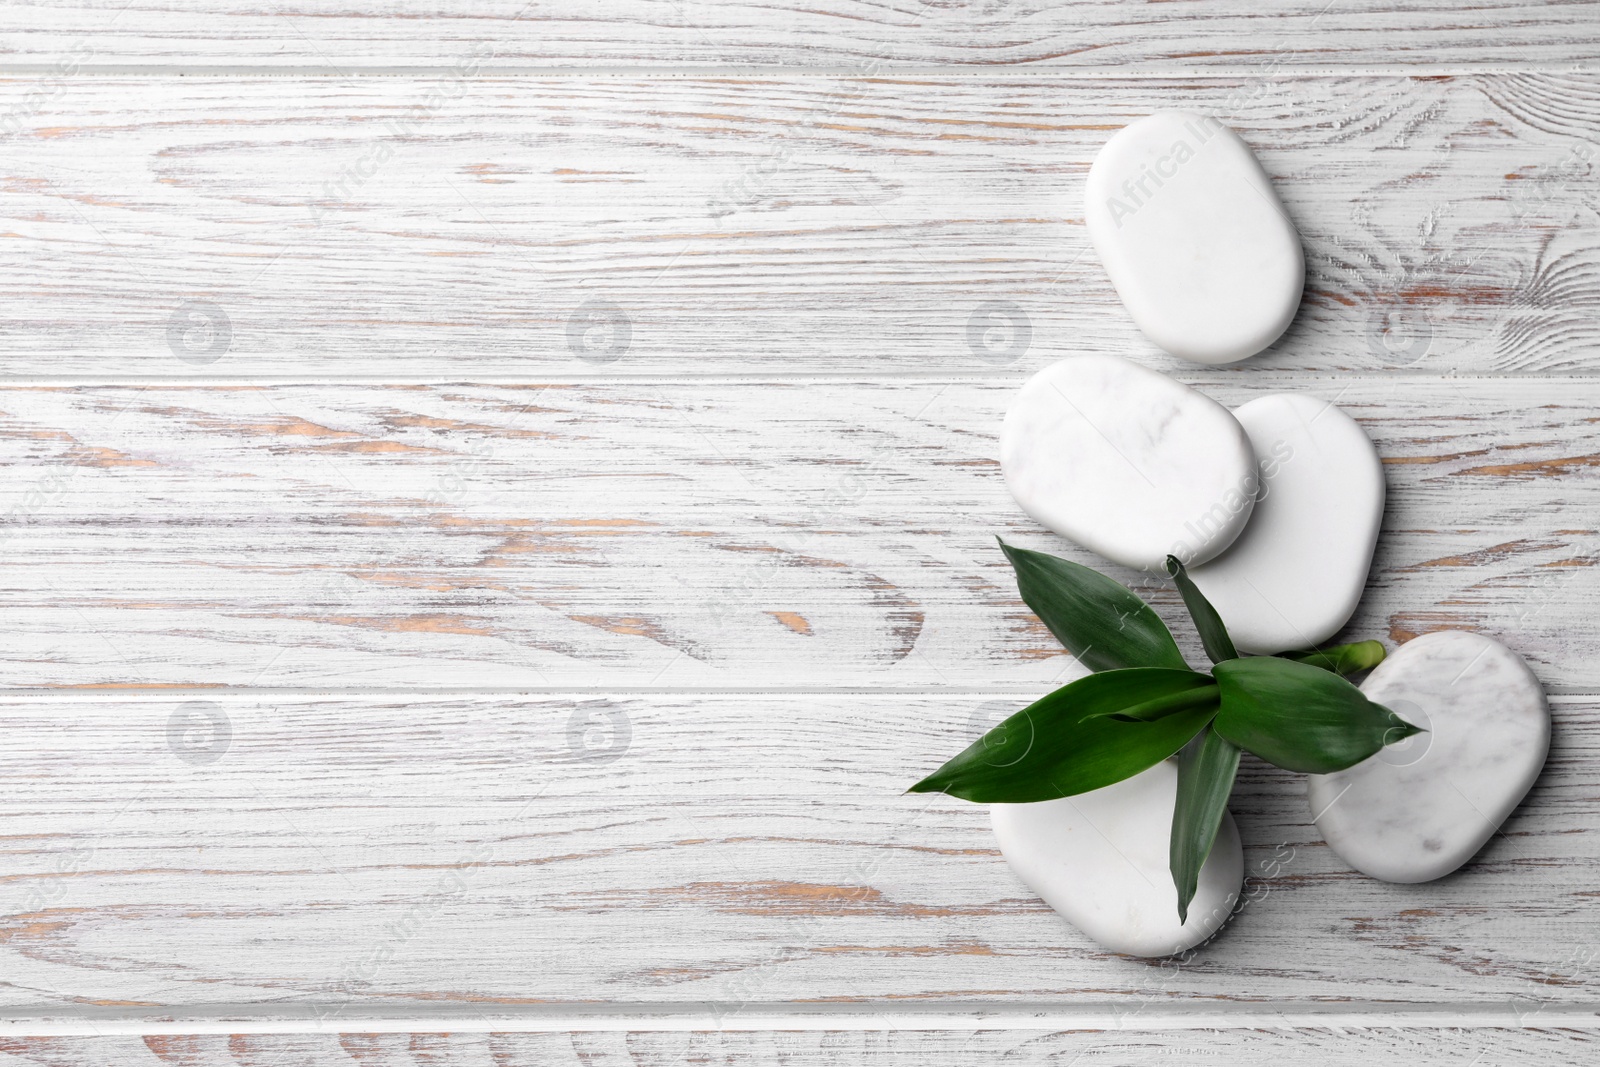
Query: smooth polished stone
x=1100, y=860
x=1293, y=578
x=1194, y=238
x=1127, y=462
x=1424, y=806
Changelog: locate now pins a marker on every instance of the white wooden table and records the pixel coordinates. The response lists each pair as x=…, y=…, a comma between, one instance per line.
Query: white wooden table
x=500, y=499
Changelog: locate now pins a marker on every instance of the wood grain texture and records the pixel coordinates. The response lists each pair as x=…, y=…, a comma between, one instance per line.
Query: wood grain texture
x=1247, y=1048
x=466, y=228
x=706, y=534
x=856, y=34
x=444, y=700
x=336, y=857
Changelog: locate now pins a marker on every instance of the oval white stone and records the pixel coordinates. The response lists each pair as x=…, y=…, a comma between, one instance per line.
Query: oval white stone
x=1293, y=578
x=1195, y=240
x=1421, y=808
x=1100, y=860
x=1127, y=462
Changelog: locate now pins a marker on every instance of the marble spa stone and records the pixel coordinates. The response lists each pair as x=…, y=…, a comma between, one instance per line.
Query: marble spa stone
x=1194, y=238
x=1421, y=808
x=1293, y=578
x=1127, y=462
x=1100, y=860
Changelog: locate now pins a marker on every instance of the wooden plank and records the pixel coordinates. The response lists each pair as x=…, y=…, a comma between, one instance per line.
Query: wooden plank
x=854, y=34
x=326, y=858
x=712, y=534
x=469, y=228
x=1247, y=1048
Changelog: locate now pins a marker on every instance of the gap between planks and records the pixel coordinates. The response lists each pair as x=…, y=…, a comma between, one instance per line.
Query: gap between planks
x=155, y=694
x=862, y=72
x=312, y=1018
x=1198, y=375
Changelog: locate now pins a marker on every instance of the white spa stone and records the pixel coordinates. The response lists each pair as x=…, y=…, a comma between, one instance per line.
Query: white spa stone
x=1293, y=578
x=1100, y=860
x=1127, y=462
x=1194, y=238
x=1424, y=806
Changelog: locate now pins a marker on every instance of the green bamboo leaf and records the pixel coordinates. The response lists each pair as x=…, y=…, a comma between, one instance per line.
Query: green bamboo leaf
x=1100, y=621
x=1206, y=769
x=1213, y=635
x=1059, y=746
x=1162, y=706
x=1342, y=659
x=1301, y=717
